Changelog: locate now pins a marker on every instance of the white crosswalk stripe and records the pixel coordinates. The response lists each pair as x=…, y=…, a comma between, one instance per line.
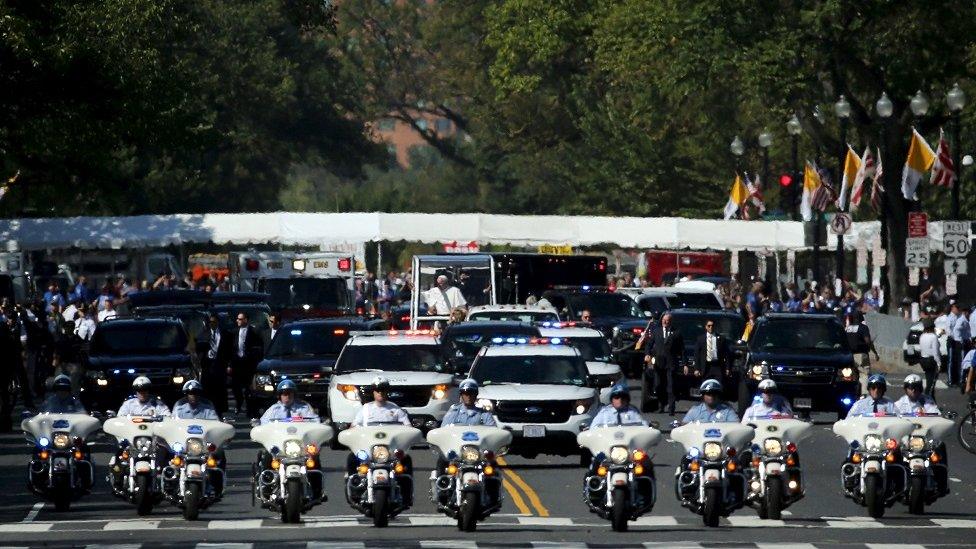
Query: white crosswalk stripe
x=449, y=544
x=545, y=521
x=225, y=545
x=132, y=525
x=746, y=521
x=25, y=527
x=432, y=521
x=335, y=545
x=245, y=524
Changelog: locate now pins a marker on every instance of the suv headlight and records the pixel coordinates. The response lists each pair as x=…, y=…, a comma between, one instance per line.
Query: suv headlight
x=847, y=373
x=470, y=454
x=438, y=392
x=181, y=375
x=263, y=382
x=773, y=446
x=61, y=440
x=381, y=454
x=194, y=447
x=351, y=392
x=619, y=454
x=486, y=404
x=712, y=451
x=872, y=443
x=583, y=404
x=915, y=444
x=293, y=448
x=758, y=371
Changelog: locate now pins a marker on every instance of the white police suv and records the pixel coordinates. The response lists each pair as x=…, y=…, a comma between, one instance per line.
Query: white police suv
x=517, y=313
x=537, y=389
x=420, y=379
x=594, y=348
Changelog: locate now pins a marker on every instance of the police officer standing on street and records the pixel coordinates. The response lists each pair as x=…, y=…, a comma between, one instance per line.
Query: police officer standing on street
x=467, y=412
x=619, y=411
x=193, y=405
x=875, y=402
x=768, y=403
x=712, y=408
x=61, y=401
x=143, y=404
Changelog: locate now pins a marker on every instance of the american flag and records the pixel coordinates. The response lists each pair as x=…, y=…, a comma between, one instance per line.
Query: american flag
x=825, y=195
x=865, y=171
x=876, y=188
x=943, y=171
x=755, y=195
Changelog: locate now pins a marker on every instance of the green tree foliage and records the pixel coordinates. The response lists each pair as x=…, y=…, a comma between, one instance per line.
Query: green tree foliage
x=136, y=106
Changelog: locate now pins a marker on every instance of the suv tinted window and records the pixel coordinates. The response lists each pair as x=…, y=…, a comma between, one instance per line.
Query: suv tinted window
x=391, y=358
x=604, y=305
x=798, y=335
x=692, y=326
x=138, y=339
x=308, y=341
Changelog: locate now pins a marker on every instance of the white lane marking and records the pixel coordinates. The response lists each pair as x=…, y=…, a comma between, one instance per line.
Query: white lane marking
x=669, y=544
x=141, y=524
x=954, y=523
x=26, y=527
x=894, y=546
x=335, y=545
x=113, y=546
x=954, y=479
x=224, y=545
x=449, y=544
x=853, y=523
x=246, y=524
x=656, y=521
x=432, y=521
x=785, y=546
x=545, y=521
x=787, y=514
x=330, y=523
x=560, y=544
x=754, y=522
x=32, y=514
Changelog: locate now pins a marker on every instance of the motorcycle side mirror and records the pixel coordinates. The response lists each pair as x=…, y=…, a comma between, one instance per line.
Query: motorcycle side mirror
x=654, y=424
x=950, y=414
x=26, y=414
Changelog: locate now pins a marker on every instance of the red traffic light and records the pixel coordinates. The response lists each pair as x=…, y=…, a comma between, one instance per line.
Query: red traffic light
x=785, y=180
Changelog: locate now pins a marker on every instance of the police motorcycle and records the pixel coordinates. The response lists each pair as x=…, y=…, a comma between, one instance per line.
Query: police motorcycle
x=61, y=468
x=136, y=465
x=294, y=446
x=377, y=486
x=928, y=475
x=469, y=488
x=191, y=478
x=874, y=474
x=774, y=475
x=709, y=481
x=622, y=487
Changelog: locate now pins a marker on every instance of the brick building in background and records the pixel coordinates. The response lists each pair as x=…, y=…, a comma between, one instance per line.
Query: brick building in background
x=403, y=141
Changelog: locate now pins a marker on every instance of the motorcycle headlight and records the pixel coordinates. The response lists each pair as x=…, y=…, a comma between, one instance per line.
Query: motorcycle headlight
x=916, y=444
x=143, y=444
x=351, y=392
x=486, y=404
x=470, y=454
x=872, y=443
x=619, y=454
x=583, y=405
x=439, y=392
x=194, y=447
x=61, y=440
x=712, y=451
x=773, y=446
x=381, y=454
x=293, y=448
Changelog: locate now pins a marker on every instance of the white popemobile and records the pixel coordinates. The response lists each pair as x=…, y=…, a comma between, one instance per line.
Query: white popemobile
x=420, y=379
x=604, y=373
x=538, y=390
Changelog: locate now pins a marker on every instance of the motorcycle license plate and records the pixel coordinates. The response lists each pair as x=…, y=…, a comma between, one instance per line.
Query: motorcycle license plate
x=293, y=470
x=803, y=403
x=872, y=466
x=143, y=467
x=534, y=431
x=773, y=468
x=711, y=474
x=917, y=463
x=60, y=463
x=194, y=469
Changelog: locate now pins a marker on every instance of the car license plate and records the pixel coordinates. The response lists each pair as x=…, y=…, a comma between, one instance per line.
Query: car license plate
x=534, y=431
x=804, y=403
x=694, y=392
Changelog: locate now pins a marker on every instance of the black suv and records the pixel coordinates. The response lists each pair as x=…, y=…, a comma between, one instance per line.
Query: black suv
x=608, y=310
x=124, y=349
x=305, y=351
x=808, y=357
x=464, y=340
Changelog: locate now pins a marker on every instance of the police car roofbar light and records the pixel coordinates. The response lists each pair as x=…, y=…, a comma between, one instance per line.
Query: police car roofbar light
x=529, y=341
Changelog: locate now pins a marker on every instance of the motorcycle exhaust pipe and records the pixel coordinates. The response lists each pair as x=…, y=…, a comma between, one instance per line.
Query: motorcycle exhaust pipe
x=268, y=478
x=444, y=482
x=596, y=484
x=849, y=470
x=358, y=482
x=687, y=479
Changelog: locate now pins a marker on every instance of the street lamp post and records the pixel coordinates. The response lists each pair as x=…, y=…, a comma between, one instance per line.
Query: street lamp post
x=843, y=111
x=738, y=148
x=765, y=140
x=920, y=107
x=794, y=128
x=956, y=100
x=884, y=108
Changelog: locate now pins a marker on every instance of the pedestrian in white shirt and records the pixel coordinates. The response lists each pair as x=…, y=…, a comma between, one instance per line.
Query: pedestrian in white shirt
x=931, y=357
x=443, y=298
x=108, y=312
x=85, y=324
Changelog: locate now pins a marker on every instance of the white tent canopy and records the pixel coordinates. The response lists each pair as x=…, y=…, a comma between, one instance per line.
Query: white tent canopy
x=338, y=229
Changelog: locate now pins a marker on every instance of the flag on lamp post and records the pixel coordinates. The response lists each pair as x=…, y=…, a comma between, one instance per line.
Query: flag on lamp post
x=877, y=189
x=811, y=182
x=737, y=198
x=755, y=195
x=852, y=165
x=920, y=159
x=864, y=171
x=943, y=170
x=825, y=193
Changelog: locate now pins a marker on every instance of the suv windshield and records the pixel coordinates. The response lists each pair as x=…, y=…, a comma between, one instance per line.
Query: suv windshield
x=799, y=335
x=595, y=349
x=308, y=341
x=516, y=316
x=391, y=358
x=318, y=293
x=694, y=300
x=690, y=327
x=604, y=305
x=549, y=370
x=138, y=339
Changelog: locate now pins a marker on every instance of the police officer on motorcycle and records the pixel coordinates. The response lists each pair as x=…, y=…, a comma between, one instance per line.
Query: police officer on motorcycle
x=61, y=401
x=286, y=408
x=768, y=403
x=712, y=408
x=915, y=401
x=619, y=411
x=143, y=404
x=193, y=405
x=467, y=412
x=875, y=401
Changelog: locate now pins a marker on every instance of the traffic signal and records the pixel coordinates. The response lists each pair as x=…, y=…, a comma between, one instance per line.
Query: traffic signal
x=786, y=198
x=785, y=180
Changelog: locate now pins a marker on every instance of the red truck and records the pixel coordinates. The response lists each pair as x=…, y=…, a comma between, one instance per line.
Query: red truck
x=665, y=267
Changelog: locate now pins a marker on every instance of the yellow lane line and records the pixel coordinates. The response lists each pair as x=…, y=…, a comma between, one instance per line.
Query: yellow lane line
x=516, y=497
x=529, y=492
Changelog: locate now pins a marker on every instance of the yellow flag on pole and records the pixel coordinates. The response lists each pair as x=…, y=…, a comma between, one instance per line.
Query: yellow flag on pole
x=737, y=197
x=920, y=160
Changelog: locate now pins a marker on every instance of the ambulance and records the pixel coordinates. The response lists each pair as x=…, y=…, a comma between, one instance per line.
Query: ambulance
x=300, y=284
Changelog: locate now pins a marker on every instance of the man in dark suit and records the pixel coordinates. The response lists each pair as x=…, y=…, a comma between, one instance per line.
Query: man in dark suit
x=663, y=354
x=247, y=349
x=711, y=354
x=216, y=360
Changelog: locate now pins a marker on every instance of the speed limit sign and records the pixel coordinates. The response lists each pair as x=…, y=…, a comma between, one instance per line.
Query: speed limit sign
x=955, y=239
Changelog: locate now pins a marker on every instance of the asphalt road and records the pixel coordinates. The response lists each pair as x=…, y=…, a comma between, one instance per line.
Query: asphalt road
x=543, y=507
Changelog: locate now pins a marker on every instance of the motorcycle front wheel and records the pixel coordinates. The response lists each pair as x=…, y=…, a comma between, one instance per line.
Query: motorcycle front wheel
x=143, y=497
x=874, y=495
x=916, y=496
x=774, y=498
x=381, y=501
x=62, y=494
x=291, y=512
x=468, y=514
x=191, y=501
x=618, y=514
x=712, y=506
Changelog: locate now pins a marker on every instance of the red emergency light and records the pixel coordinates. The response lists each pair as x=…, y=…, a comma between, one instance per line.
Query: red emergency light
x=345, y=264
x=251, y=265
